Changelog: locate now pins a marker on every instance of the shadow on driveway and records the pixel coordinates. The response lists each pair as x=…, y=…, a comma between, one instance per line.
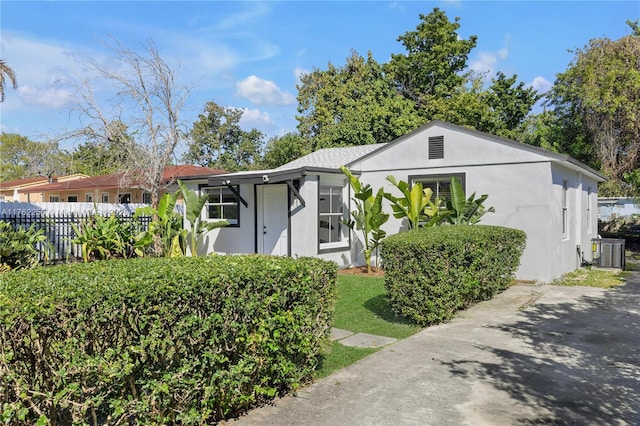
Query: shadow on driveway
x=577, y=363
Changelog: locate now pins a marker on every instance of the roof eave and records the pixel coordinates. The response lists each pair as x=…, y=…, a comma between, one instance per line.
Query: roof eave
x=266, y=176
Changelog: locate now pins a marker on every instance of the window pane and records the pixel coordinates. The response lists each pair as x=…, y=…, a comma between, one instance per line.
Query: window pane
x=336, y=200
x=213, y=195
x=335, y=230
x=230, y=212
x=444, y=190
x=323, y=229
x=324, y=205
x=228, y=196
x=214, y=212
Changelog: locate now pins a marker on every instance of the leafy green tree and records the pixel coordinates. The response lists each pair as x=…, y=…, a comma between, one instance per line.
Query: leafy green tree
x=435, y=60
x=283, y=149
x=6, y=72
x=356, y=104
x=559, y=131
x=24, y=158
x=218, y=141
x=599, y=94
x=511, y=102
x=368, y=216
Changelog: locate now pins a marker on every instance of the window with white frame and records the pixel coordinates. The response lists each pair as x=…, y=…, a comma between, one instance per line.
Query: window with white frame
x=222, y=204
x=331, y=231
x=88, y=198
x=146, y=197
x=565, y=211
x=105, y=197
x=54, y=198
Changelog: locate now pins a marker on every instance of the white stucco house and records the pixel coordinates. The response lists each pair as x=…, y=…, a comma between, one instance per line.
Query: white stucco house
x=296, y=209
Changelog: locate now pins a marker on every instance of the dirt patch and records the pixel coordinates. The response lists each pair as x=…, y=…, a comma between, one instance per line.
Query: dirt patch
x=362, y=270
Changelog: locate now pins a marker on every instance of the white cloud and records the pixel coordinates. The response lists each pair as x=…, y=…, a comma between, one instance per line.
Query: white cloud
x=486, y=62
x=43, y=69
x=541, y=84
x=453, y=3
x=263, y=92
x=298, y=72
x=255, y=118
x=253, y=12
x=49, y=97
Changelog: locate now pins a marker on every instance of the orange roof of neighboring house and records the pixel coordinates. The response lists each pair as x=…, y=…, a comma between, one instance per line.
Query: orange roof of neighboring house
x=115, y=180
x=27, y=182
x=22, y=182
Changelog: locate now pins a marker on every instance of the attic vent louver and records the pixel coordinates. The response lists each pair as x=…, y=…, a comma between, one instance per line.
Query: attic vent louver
x=436, y=147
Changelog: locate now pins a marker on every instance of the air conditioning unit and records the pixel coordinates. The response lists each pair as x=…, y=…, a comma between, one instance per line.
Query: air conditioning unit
x=608, y=252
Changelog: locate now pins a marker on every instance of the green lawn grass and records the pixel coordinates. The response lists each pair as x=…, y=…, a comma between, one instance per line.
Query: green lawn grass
x=362, y=308
x=593, y=277
x=598, y=277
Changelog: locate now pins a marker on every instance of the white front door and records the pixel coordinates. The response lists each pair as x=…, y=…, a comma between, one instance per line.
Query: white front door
x=273, y=220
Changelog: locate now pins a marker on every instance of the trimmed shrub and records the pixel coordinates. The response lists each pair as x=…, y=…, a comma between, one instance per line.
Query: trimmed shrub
x=430, y=273
x=157, y=340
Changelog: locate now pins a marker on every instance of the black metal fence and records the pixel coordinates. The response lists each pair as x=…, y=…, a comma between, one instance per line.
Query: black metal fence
x=57, y=227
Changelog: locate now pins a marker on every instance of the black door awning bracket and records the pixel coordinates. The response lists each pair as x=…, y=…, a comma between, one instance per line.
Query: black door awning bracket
x=236, y=193
x=295, y=192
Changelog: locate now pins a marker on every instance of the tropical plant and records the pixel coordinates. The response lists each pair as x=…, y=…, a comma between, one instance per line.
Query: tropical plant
x=465, y=211
x=20, y=249
x=110, y=237
x=194, y=204
x=6, y=70
x=415, y=204
x=165, y=230
x=368, y=216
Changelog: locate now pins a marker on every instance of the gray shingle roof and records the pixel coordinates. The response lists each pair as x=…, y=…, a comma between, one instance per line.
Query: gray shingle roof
x=331, y=158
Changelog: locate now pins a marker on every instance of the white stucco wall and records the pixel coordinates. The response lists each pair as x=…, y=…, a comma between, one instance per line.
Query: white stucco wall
x=232, y=239
x=524, y=187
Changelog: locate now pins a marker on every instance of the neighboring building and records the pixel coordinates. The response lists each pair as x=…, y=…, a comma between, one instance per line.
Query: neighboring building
x=297, y=209
x=16, y=190
x=621, y=207
x=117, y=188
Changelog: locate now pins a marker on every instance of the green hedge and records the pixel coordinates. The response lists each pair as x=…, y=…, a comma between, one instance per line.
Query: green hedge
x=158, y=341
x=430, y=273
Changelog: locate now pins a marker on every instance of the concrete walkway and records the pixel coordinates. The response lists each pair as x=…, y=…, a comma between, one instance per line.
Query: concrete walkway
x=360, y=340
x=532, y=355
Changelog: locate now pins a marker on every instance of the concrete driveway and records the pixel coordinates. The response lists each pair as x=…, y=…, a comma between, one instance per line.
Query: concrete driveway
x=533, y=355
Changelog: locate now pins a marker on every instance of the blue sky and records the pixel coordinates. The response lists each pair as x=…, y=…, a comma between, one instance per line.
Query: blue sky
x=249, y=55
